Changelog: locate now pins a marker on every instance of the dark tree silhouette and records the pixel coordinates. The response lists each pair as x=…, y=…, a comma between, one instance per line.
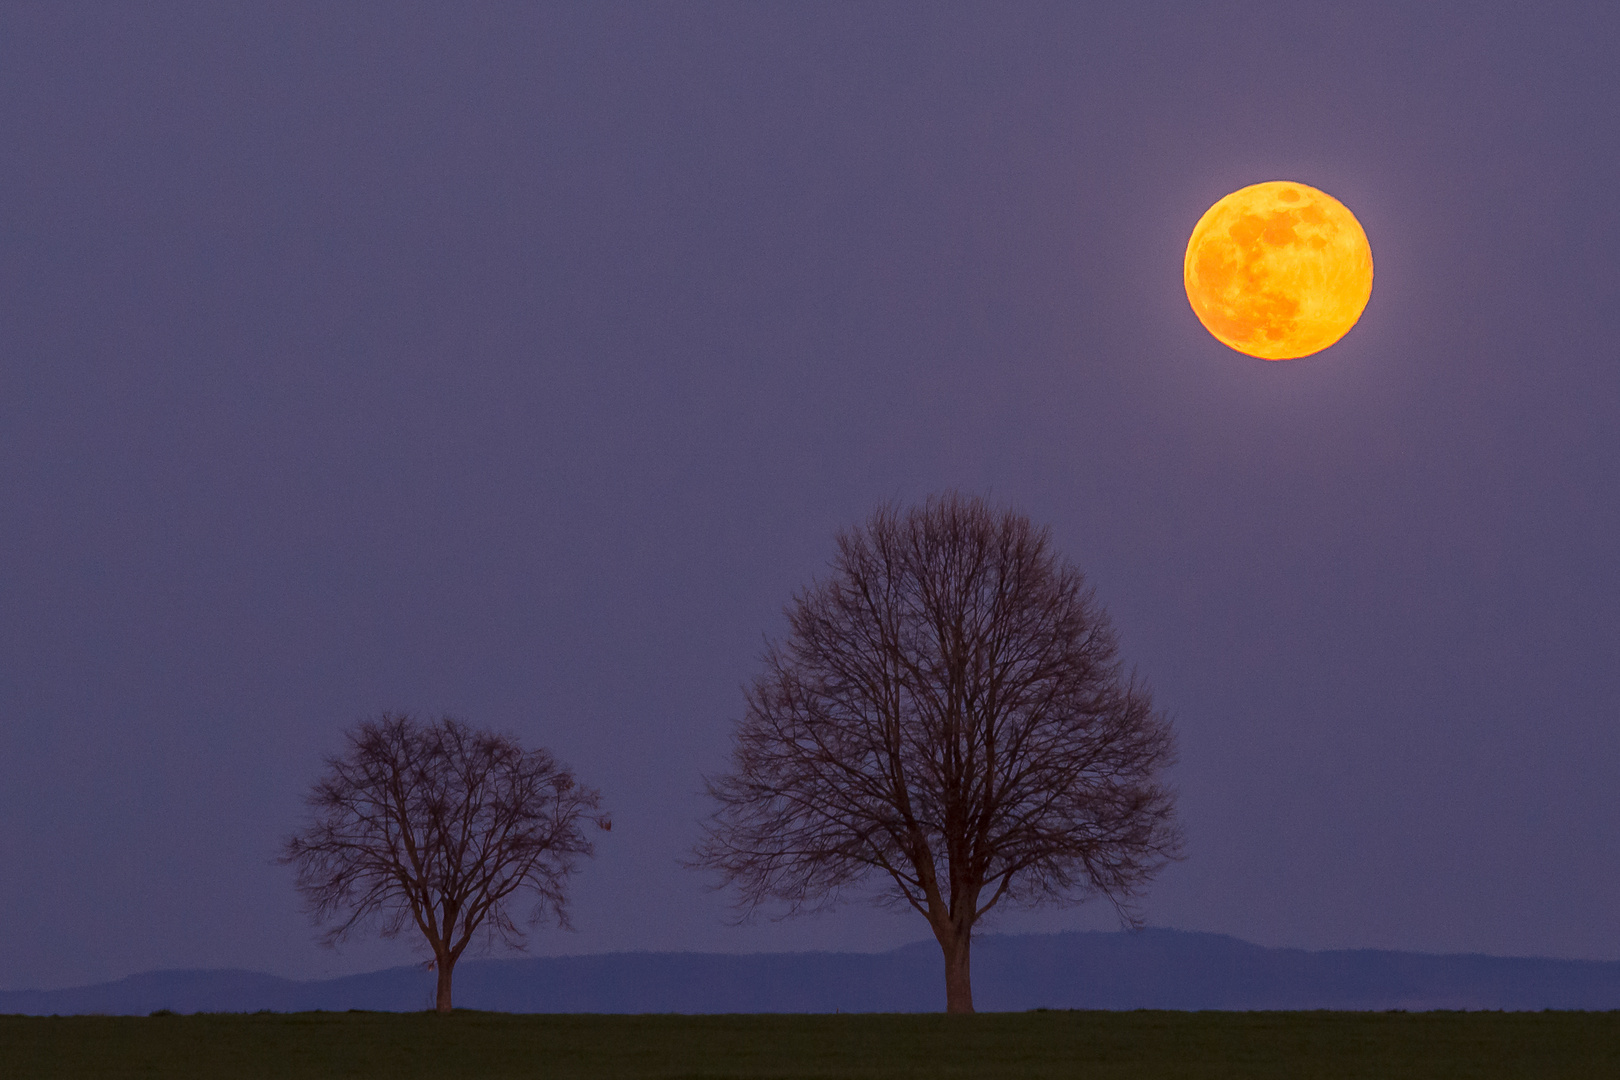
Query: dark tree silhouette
x=443, y=828
x=948, y=716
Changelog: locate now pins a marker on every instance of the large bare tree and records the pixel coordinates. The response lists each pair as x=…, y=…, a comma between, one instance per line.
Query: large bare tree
x=947, y=717
x=443, y=828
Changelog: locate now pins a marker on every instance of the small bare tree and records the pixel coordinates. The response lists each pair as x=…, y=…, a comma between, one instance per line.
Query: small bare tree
x=441, y=827
x=947, y=714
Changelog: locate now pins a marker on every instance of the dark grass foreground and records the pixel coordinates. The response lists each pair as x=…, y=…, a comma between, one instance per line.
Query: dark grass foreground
x=1251, y=1046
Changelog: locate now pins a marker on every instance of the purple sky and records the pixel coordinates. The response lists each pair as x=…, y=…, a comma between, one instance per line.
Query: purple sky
x=521, y=364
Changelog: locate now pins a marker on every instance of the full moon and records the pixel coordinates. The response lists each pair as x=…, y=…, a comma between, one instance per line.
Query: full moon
x=1278, y=270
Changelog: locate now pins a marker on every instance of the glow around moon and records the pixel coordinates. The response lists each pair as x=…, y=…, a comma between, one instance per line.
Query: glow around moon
x=1278, y=270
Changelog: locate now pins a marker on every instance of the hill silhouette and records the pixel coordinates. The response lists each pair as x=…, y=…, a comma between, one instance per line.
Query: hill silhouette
x=1157, y=969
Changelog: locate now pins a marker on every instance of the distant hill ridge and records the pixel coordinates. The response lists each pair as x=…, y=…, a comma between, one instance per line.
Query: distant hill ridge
x=1155, y=969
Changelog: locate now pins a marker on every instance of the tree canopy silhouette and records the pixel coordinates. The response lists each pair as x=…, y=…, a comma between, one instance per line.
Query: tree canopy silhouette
x=443, y=828
x=947, y=716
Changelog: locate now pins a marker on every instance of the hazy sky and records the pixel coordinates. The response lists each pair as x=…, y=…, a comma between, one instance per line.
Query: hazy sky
x=520, y=361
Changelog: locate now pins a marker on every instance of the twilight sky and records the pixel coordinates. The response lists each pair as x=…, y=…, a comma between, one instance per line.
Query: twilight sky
x=520, y=361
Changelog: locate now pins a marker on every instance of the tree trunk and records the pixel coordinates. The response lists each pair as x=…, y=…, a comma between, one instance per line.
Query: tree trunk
x=445, y=965
x=956, y=944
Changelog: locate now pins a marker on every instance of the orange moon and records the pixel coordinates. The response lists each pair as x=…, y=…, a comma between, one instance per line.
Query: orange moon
x=1278, y=270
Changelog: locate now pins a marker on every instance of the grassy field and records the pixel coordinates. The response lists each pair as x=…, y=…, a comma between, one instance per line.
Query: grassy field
x=1105, y=1046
